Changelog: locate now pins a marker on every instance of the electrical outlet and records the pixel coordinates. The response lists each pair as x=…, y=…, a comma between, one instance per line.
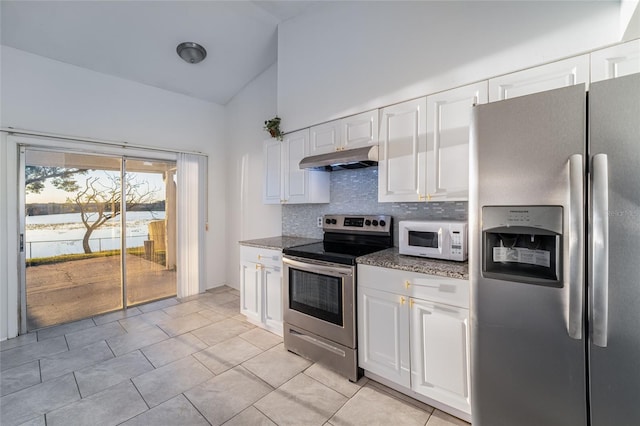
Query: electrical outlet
x=319, y=222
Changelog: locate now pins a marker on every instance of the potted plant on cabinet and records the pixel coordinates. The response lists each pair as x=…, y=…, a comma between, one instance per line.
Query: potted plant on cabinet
x=273, y=127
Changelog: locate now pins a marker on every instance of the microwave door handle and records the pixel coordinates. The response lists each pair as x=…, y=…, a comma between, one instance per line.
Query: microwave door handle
x=440, y=240
x=576, y=245
x=599, y=271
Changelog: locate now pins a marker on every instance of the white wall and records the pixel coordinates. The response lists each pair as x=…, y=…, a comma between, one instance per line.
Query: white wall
x=49, y=96
x=247, y=217
x=348, y=57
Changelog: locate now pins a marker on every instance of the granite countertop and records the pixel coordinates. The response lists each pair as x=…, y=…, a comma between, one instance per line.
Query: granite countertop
x=390, y=258
x=279, y=243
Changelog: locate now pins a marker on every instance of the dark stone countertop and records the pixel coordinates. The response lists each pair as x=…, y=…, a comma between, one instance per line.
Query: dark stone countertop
x=390, y=258
x=278, y=243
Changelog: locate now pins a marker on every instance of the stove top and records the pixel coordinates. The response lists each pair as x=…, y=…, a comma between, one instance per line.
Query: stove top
x=347, y=237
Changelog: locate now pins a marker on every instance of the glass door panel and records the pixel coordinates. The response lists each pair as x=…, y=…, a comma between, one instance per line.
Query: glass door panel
x=72, y=236
x=150, y=265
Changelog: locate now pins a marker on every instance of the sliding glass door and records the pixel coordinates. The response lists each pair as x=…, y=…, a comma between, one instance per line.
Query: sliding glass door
x=99, y=234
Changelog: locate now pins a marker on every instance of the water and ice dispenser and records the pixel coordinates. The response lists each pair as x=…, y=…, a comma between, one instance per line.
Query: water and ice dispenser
x=522, y=244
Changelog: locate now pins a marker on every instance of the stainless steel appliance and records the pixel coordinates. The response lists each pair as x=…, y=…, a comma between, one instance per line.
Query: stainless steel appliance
x=435, y=239
x=555, y=257
x=320, y=290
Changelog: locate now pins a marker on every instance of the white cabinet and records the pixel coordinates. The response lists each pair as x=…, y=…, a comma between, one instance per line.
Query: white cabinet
x=384, y=333
x=616, y=61
x=413, y=331
x=285, y=181
x=355, y=131
x=555, y=75
x=261, y=287
x=447, y=160
x=402, y=150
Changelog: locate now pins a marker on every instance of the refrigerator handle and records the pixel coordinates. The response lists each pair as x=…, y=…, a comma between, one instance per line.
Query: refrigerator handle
x=576, y=245
x=599, y=272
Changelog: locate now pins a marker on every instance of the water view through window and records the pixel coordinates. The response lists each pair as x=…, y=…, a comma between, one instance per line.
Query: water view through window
x=99, y=234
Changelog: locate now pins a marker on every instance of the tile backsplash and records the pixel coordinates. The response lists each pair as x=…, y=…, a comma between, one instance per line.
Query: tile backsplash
x=356, y=192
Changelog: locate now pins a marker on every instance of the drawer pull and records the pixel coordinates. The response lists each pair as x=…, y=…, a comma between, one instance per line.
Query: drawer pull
x=407, y=284
x=402, y=300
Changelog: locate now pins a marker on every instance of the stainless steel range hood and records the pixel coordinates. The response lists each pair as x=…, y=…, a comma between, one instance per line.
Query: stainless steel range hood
x=348, y=159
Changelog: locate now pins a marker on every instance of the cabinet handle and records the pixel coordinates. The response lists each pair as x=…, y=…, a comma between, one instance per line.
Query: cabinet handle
x=402, y=300
x=259, y=266
x=259, y=257
x=411, y=303
x=407, y=284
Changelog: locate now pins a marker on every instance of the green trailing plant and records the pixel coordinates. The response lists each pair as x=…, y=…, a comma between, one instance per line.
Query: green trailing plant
x=273, y=127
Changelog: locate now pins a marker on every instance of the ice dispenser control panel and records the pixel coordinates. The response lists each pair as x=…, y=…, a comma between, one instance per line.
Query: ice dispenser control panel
x=522, y=244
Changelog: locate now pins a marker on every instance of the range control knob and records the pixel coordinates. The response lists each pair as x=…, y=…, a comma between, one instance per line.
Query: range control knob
x=374, y=222
x=333, y=221
x=383, y=223
x=367, y=222
x=327, y=221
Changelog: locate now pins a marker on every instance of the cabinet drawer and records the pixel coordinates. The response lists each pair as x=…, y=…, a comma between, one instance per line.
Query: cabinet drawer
x=445, y=290
x=269, y=257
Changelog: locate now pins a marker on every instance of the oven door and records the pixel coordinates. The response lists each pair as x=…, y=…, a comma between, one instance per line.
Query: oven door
x=319, y=298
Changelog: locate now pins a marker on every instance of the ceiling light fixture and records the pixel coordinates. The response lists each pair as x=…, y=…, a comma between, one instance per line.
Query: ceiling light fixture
x=191, y=52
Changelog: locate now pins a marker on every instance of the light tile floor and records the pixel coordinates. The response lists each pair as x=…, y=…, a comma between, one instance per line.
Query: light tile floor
x=194, y=361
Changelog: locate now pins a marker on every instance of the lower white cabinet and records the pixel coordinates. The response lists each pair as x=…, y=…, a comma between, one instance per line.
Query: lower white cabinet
x=413, y=332
x=261, y=287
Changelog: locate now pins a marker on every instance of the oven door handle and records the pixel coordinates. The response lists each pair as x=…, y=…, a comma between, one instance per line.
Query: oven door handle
x=319, y=267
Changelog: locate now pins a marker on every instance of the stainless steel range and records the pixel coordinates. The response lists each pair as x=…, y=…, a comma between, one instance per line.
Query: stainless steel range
x=320, y=290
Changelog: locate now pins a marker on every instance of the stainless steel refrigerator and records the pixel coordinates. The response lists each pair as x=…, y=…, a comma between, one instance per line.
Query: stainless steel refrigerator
x=554, y=261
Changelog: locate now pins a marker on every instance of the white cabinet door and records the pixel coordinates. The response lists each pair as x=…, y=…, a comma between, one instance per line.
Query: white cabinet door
x=555, y=75
x=440, y=353
x=296, y=183
x=272, y=284
x=383, y=339
x=448, y=121
x=360, y=130
x=403, y=140
x=616, y=61
x=325, y=138
x=250, y=290
x=272, y=188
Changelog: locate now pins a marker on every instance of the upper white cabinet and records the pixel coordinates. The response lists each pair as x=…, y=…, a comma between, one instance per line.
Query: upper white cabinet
x=351, y=132
x=558, y=74
x=616, y=61
x=448, y=121
x=402, y=151
x=285, y=181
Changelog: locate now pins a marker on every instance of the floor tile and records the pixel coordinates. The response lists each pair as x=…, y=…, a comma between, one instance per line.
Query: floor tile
x=220, y=331
x=75, y=359
x=164, y=383
x=219, y=289
x=261, y=338
x=302, y=400
x=222, y=298
x=230, y=309
x=173, y=349
x=250, y=416
x=145, y=320
x=184, y=308
x=277, y=365
x=22, y=340
x=212, y=316
x=398, y=395
x=135, y=340
x=27, y=404
x=334, y=380
x=371, y=406
x=61, y=330
x=117, y=315
x=176, y=411
x=160, y=304
x=185, y=324
x=36, y=421
x=93, y=335
x=438, y=418
x=105, y=374
x=26, y=353
x=226, y=355
x=109, y=407
x=226, y=395
x=19, y=378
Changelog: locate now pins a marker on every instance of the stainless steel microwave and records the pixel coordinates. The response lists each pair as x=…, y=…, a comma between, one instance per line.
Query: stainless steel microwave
x=435, y=239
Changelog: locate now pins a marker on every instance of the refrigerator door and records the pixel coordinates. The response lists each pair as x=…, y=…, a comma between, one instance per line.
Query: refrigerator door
x=614, y=273
x=528, y=358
